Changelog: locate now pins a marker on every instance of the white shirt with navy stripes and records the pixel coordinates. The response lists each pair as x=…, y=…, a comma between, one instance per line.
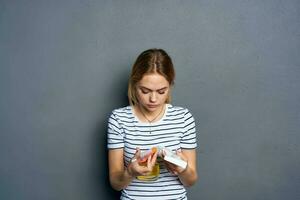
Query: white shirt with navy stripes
x=175, y=130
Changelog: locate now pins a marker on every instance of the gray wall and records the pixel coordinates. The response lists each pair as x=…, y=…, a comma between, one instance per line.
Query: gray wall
x=64, y=66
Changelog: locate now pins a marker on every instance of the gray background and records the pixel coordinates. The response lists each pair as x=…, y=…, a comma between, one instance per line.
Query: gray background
x=65, y=64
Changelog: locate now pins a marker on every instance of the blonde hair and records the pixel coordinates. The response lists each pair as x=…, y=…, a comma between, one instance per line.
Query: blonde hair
x=150, y=61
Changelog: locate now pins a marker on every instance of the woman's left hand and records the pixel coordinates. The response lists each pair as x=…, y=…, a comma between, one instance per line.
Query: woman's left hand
x=174, y=169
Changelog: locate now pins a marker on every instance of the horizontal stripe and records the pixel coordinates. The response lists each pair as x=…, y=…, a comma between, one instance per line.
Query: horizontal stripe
x=146, y=194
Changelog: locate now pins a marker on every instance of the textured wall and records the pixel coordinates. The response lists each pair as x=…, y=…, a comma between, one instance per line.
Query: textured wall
x=64, y=66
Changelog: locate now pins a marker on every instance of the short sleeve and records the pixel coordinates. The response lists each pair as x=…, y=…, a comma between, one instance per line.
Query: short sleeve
x=115, y=136
x=189, y=140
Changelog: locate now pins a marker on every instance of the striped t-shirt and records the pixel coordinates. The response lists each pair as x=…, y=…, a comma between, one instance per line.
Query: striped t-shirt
x=175, y=130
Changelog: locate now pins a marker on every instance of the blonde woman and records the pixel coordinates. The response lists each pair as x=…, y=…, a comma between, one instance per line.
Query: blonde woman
x=148, y=122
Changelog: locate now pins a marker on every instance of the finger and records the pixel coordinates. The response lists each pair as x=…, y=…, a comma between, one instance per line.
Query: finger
x=135, y=156
x=149, y=165
x=168, y=165
x=154, y=158
x=178, y=152
x=173, y=170
x=164, y=153
x=137, y=153
x=133, y=160
x=143, y=170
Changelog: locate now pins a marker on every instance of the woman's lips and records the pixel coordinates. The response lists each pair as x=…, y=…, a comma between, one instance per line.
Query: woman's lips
x=152, y=106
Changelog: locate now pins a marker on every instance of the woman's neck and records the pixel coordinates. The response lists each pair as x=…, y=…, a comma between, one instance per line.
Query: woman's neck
x=148, y=116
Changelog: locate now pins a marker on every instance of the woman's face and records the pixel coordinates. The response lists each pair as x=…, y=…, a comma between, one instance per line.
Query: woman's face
x=152, y=91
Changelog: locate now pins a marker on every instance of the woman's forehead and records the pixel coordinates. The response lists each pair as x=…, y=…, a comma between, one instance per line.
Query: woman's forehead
x=153, y=81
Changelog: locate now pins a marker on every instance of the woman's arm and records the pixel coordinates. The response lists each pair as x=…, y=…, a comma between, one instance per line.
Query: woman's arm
x=189, y=175
x=120, y=176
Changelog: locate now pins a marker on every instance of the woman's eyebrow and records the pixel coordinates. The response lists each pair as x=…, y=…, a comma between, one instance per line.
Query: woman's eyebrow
x=145, y=88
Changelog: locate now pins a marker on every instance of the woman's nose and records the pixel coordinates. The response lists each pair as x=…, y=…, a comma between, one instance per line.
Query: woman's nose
x=153, y=97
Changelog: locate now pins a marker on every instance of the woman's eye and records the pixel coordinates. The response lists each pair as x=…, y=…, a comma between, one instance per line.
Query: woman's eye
x=144, y=92
x=161, y=92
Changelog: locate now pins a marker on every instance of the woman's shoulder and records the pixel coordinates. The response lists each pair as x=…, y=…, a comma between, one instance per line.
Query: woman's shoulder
x=180, y=112
x=122, y=112
x=176, y=108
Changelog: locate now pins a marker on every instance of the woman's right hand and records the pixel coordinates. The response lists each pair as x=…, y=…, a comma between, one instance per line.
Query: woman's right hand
x=141, y=169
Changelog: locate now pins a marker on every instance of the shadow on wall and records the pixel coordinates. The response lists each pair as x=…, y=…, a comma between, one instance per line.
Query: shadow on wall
x=99, y=174
x=117, y=97
x=102, y=185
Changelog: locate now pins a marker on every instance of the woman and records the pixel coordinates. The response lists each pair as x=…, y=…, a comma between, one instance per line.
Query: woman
x=151, y=121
